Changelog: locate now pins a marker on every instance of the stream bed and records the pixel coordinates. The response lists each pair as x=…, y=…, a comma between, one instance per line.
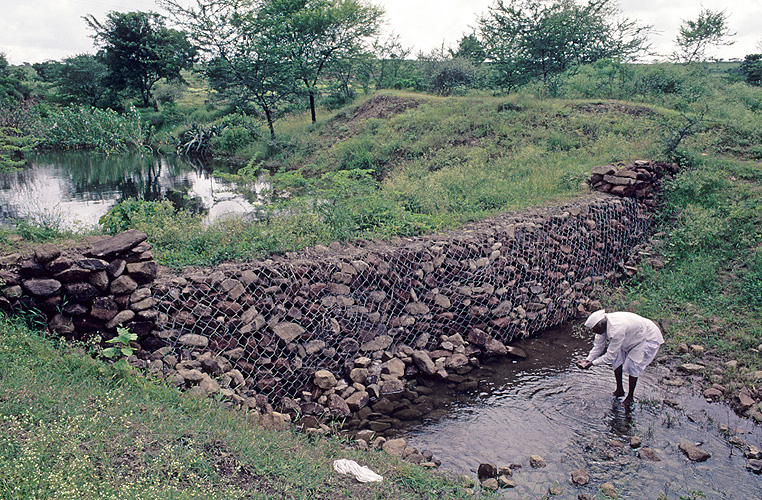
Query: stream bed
x=545, y=405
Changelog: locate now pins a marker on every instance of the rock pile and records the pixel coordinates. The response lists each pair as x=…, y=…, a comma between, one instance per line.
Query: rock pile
x=640, y=179
x=80, y=291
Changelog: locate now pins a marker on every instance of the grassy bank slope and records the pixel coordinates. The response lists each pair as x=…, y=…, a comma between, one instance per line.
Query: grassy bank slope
x=73, y=428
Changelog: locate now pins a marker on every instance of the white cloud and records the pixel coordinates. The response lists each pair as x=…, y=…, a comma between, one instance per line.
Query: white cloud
x=36, y=30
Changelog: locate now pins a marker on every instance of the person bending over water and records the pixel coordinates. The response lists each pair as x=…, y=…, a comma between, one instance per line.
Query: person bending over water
x=633, y=342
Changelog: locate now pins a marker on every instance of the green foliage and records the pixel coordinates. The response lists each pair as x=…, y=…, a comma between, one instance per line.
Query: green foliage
x=14, y=146
x=710, y=28
x=453, y=75
x=528, y=39
x=126, y=214
x=751, y=69
x=102, y=130
x=139, y=50
x=196, y=139
x=121, y=348
x=81, y=79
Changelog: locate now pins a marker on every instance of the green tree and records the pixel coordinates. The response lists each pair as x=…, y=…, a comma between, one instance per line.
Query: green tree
x=240, y=63
x=139, y=50
x=317, y=34
x=382, y=64
x=528, y=39
x=81, y=79
x=751, y=69
x=695, y=37
x=11, y=87
x=471, y=49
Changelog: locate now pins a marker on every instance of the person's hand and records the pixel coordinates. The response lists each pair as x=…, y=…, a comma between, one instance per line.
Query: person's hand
x=584, y=363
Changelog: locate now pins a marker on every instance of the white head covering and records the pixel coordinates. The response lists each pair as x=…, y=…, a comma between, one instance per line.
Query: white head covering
x=595, y=318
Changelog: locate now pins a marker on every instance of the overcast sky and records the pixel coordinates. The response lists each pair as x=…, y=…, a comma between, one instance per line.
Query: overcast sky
x=38, y=30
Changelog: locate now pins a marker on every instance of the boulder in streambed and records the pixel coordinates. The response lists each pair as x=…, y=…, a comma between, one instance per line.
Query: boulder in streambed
x=693, y=452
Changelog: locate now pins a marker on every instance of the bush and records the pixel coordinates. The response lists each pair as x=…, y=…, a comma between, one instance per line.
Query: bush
x=77, y=127
x=132, y=212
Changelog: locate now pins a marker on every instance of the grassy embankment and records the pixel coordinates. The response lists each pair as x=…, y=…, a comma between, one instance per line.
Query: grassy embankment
x=433, y=166
x=74, y=428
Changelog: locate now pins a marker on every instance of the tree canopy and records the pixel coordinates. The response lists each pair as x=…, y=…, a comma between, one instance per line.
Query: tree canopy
x=710, y=28
x=528, y=39
x=267, y=52
x=139, y=50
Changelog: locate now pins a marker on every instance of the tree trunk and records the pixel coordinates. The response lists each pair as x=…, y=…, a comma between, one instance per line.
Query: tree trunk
x=269, y=116
x=312, y=105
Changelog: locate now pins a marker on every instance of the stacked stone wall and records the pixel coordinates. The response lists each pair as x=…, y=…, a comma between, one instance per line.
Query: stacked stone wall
x=342, y=329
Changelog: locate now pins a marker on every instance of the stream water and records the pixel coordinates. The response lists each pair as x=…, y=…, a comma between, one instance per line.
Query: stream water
x=544, y=405
x=74, y=188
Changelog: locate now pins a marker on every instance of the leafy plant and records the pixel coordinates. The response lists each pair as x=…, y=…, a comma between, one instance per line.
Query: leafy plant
x=121, y=348
x=103, y=130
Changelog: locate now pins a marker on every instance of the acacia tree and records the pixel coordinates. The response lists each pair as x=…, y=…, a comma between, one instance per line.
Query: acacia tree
x=139, y=50
x=527, y=39
x=239, y=61
x=694, y=37
x=317, y=34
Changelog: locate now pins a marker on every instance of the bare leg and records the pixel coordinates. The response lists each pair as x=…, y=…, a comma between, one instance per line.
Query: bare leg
x=630, y=391
x=619, y=392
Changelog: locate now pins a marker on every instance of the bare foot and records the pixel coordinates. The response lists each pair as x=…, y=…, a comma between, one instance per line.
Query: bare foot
x=627, y=402
x=619, y=393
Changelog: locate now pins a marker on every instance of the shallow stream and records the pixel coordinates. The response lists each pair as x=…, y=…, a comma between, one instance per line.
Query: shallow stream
x=544, y=405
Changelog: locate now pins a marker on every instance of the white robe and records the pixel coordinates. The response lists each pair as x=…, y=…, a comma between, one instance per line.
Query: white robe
x=630, y=337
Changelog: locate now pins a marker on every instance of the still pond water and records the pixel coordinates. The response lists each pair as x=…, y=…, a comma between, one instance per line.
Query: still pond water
x=546, y=406
x=77, y=188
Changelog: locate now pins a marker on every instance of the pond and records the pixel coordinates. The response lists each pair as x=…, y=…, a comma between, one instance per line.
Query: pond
x=76, y=188
x=544, y=405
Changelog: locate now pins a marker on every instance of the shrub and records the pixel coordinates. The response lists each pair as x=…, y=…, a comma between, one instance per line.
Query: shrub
x=127, y=214
x=78, y=127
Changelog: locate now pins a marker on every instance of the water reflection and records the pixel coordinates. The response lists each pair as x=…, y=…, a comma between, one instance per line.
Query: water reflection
x=545, y=405
x=79, y=187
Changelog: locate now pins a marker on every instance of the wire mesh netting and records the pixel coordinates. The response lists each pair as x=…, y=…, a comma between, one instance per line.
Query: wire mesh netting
x=270, y=325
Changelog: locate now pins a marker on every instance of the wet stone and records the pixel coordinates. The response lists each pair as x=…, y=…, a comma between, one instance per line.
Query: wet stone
x=486, y=470
x=579, y=477
x=693, y=452
x=537, y=461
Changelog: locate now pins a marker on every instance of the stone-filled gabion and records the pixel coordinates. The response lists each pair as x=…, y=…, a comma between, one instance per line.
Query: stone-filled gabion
x=329, y=331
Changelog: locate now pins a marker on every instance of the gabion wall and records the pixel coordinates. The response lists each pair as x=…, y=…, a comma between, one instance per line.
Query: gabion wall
x=301, y=326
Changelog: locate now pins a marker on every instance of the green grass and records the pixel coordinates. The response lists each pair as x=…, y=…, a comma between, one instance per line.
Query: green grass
x=74, y=428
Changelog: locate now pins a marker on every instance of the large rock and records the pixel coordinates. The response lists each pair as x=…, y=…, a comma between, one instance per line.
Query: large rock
x=693, y=452
x=424, y=363
x=109, y=247
x=357, y=400
x=46, y=252
x=288, y=332
x=143, y=272
x=121, y=318
x=377, y=344
x=579, y=477
x=337, y=406
x=193, y=340
x=395, y=447
x=42, y=287
x=486, y=471
x=324, y=379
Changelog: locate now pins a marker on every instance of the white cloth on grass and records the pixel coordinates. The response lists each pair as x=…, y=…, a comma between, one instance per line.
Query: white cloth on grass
x=360, y=472
x=632, y=342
